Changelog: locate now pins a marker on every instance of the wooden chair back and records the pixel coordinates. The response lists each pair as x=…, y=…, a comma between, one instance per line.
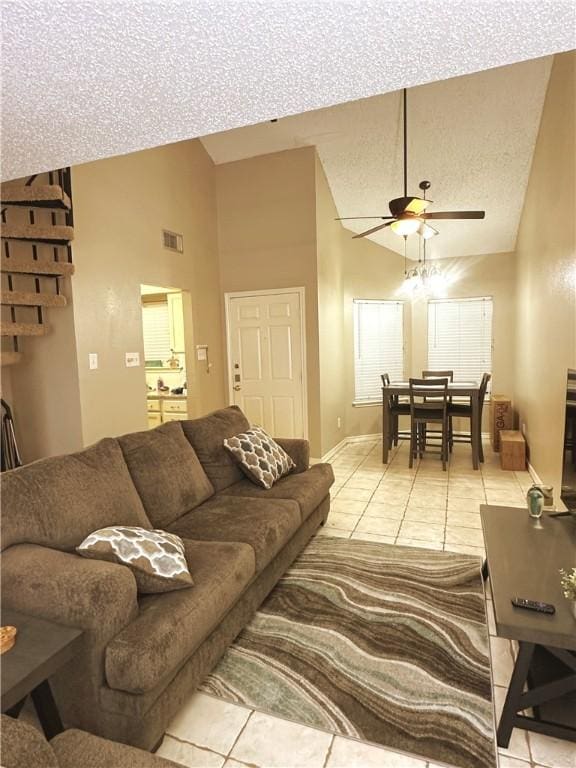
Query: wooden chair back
x=427, y=395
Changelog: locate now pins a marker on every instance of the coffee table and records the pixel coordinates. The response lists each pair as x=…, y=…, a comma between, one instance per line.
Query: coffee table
x=41, y=648
x=523, y=557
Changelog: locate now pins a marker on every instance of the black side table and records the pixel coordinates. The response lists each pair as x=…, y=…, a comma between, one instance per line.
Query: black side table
x=41, y=648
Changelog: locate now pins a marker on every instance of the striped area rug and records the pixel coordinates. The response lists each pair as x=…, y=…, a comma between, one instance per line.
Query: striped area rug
x=383, y=643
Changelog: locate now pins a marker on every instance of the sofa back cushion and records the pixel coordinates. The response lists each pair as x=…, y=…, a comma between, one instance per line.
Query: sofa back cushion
x=57, y=502
x=207, y=437
x=166, y=472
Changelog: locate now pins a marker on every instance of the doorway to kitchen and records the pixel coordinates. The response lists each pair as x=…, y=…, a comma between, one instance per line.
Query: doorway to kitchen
x=164, y=329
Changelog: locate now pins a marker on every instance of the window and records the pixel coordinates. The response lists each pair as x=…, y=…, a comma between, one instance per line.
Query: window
x=156, y=323
x=378, y=346
x=460, y=337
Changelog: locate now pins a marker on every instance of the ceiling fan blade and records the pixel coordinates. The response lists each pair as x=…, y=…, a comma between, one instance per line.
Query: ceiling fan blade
x=418, y=205
x=455, y=215
x=346, y=218
x=370, y=231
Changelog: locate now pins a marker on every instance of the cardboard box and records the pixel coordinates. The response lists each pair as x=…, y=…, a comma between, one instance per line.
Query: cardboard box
x=501, y=417
x=512, y=450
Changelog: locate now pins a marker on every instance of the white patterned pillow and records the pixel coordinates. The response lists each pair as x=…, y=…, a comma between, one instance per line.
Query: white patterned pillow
x=156, y=558
x=259, y=456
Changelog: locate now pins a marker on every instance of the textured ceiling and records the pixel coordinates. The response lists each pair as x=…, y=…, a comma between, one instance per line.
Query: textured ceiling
x=83, y=79
x=473, y=137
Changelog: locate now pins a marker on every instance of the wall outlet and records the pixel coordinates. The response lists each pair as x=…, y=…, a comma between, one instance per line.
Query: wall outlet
x=132, y=359
x=93, y=361
x=339, y=422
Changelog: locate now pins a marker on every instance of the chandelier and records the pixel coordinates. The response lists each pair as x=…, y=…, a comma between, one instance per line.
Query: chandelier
x=425, y=280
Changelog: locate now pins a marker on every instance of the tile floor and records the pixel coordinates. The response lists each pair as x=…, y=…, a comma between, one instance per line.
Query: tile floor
x=421, y=507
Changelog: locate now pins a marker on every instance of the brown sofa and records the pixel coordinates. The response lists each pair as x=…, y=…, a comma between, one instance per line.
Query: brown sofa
x=23, y=746
x=143, y=655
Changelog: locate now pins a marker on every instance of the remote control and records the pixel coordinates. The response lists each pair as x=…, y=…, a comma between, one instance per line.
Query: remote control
x=532, y=605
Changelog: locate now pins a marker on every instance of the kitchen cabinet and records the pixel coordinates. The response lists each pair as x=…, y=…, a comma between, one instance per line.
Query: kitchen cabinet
x=164, y=409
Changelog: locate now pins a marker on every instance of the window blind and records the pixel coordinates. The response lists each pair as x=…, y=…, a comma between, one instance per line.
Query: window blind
x=378, y=346
x=156, y=323
x=460, y=337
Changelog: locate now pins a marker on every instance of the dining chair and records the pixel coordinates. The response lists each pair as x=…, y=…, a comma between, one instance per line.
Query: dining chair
x=441, y=375
x=464, y=410
x=396, y=408
x=428, y=405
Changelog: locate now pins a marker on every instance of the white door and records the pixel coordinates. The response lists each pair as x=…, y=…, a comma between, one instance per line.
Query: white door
x=265, y=336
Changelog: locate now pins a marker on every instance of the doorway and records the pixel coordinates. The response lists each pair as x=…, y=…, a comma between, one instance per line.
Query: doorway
x=164, y=354
x=267, y=359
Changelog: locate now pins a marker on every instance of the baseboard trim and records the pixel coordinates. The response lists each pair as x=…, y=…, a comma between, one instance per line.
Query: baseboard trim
x=534, y=475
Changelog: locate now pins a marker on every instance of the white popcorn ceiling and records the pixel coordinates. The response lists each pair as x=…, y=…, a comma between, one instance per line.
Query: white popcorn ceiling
x=472, y=137
x=86, y=79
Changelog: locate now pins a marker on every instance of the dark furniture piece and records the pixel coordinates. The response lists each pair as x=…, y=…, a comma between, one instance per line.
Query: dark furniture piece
x=463, y=410
x=523, y=557
x=428, y=374
x=23, y=746
x=144, y=654
x=396, y=408
x=41, y=649
x=455, y=389
x=428, y=405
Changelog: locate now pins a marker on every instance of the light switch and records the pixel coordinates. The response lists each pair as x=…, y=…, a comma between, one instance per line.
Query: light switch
x=201, y=353
x=93, y=361
x=132, y=359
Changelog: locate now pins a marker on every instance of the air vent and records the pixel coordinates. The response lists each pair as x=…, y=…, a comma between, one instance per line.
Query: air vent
x=173, y=241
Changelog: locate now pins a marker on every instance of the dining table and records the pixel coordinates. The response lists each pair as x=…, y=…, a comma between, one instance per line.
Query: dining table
x=459, y=389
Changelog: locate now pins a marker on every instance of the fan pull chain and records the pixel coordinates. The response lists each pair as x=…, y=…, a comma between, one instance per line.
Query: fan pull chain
x=405, y=247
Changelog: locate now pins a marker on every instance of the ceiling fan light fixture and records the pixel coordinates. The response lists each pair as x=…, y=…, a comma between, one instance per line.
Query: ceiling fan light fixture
x=426, y=231
x=406, y=226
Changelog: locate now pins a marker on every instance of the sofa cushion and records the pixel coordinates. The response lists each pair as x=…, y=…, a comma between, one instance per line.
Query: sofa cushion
x=171, y=626
x=207, y=436
x=23, y=746
x=259, y=456
x=265, y=524
x=156, y=558
x=166, y=472
x=307, y=488
x=57, y=502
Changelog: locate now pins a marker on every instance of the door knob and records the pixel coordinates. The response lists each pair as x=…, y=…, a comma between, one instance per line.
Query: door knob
x=237, y=387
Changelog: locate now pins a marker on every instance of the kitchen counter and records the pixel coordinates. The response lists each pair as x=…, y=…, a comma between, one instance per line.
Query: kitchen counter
x=154, y=395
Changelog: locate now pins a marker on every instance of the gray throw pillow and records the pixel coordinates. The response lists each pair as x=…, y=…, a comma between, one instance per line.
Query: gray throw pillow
x=156, y=558
x=259, y=456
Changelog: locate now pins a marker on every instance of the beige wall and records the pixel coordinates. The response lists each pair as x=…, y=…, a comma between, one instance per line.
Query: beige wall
x=370, y=272
x=267, y=239
x=120, y=208
x=330, y=315
x=546, y=252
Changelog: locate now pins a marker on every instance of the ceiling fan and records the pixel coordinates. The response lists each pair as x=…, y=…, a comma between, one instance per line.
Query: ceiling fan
x=408, y=212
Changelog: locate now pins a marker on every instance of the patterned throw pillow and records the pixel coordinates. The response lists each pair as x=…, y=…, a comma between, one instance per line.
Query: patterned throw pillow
x=156, y=558
x=259, y=456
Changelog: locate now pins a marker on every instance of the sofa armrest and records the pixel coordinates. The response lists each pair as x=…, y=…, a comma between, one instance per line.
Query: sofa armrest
x=298, y=450
x=89, y=594
x=95, y=596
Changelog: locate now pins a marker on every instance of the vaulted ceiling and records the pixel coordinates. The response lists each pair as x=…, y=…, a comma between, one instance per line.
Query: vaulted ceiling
x=82, y=80
x=472, y=137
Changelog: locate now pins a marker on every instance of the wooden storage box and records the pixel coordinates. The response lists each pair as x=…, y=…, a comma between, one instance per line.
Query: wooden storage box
x=512, y=450
x=501, y=417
